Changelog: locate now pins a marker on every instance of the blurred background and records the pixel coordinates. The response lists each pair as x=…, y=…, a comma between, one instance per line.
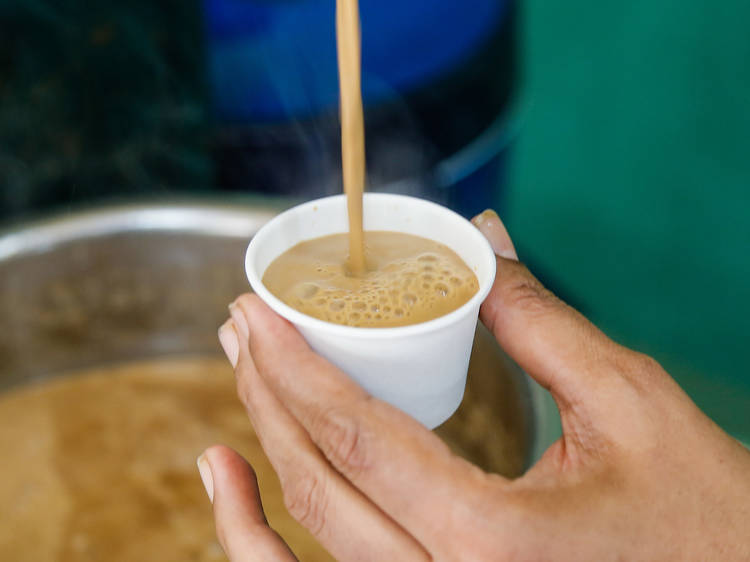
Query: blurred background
x=614, y=139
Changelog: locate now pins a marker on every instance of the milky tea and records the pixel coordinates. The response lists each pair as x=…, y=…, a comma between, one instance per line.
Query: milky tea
x=407, y=280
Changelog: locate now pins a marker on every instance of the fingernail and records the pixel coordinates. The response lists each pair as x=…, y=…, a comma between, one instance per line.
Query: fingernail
x=229, y=341
x=496, y=234
x=240, y=322
x=206, y=477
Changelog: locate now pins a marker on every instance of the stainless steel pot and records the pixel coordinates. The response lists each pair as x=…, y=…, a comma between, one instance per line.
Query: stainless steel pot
x=137, y=281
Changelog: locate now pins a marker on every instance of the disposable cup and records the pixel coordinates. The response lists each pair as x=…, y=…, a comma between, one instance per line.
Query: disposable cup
x=420, y=368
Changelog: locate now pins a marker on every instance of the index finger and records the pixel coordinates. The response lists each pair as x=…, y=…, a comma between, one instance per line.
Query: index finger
x=399, y=464
x=241, y=525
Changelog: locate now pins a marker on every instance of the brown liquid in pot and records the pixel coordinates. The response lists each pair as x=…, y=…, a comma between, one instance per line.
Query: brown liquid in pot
x=100, y=465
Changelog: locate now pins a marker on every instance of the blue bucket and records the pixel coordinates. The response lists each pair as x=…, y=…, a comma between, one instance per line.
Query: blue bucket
x=436, y=80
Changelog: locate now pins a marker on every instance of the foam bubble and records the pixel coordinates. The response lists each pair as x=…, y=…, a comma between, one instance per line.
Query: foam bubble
x=442, y=290
x=404, y=290
x=307, y=290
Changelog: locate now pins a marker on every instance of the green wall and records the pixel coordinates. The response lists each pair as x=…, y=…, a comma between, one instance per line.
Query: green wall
x=631, y=180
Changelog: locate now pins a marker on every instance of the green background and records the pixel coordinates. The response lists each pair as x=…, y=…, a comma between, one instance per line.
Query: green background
x=631, y=179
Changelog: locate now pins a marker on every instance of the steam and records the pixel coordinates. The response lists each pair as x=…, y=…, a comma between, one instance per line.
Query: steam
x=299, y=154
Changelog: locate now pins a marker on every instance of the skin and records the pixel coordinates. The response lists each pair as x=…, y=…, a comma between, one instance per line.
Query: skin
x=639, y=473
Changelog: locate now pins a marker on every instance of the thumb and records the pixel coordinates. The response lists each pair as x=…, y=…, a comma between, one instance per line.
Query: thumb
x=551, y=341
x=241, y=526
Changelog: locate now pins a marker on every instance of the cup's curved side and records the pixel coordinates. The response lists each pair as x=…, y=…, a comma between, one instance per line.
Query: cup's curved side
x=420, y=368
x=423, y=375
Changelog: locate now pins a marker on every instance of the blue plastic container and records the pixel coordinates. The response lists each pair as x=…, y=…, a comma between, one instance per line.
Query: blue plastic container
x=437, y=79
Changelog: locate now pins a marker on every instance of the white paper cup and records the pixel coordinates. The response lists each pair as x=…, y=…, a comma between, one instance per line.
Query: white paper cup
x=420, y=368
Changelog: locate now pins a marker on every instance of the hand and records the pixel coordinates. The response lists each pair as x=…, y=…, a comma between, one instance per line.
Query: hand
x=639, y=473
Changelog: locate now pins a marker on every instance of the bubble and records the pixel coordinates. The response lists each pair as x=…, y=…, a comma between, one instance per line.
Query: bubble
x=442, y=289
x=307, y=291
x=403, y=290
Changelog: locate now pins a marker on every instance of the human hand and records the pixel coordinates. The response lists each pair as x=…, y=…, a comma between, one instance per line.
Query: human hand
x=639, y=473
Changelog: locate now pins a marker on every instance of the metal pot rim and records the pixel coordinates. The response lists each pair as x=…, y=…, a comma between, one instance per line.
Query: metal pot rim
x=197, y=216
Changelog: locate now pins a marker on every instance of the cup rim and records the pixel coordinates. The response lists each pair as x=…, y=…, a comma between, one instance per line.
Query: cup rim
x=322, y=326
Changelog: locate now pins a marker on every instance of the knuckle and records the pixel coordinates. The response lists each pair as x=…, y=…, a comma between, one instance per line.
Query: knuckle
x=343, y=441
x=527, y=293
x=244, y=391
x=641, y=370
x=305, y=500
x=646, y=364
